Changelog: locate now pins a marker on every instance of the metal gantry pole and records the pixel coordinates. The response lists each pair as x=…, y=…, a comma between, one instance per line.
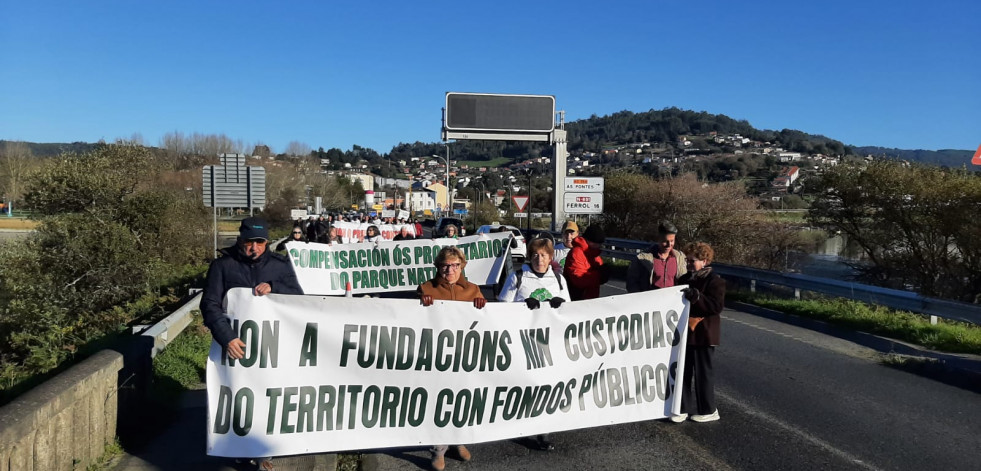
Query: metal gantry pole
x=449, y=200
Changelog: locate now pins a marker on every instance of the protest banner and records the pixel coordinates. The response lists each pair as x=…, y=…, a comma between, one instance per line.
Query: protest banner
x=353, y=232
x=327, y=374
x=392, y=265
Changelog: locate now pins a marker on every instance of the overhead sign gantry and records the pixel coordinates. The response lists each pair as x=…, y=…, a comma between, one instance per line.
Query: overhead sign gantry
x=501, y=117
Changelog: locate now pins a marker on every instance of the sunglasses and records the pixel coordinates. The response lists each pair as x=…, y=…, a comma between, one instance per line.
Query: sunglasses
x=455, y=266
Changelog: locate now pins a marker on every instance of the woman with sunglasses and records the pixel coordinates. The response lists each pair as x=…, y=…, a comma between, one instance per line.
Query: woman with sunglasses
x=450, y=285
x=296, y=235
x=372, y=234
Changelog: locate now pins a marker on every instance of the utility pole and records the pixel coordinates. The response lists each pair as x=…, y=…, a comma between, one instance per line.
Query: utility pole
x=528, y=211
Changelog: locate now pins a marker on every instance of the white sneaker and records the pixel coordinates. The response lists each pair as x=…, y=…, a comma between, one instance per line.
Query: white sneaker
x=706, y=418
x=679, y=418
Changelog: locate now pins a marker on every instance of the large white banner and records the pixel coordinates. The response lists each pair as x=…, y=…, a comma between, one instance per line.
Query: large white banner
x=392, y=265
x=328, y=374
x=352, y=232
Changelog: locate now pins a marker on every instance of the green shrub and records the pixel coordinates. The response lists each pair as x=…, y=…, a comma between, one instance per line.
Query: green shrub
x=948, y=336
x=114, y=246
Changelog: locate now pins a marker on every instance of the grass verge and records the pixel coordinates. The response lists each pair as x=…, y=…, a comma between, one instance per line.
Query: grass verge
x=946, y=336
x=16, y=223
x=111, y=451
x=348, y=462
x=181, y=366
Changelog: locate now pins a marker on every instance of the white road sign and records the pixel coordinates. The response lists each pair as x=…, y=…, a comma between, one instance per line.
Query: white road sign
x=584, y=184
x=583, y=203
x=520, y=215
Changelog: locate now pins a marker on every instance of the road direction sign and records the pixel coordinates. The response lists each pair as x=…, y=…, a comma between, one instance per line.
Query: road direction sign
x=583, y=203
x=584, y=184
x=234, y=187
x=520, y=202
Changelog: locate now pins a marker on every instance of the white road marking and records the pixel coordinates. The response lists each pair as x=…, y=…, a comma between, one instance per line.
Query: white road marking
x=745, y=407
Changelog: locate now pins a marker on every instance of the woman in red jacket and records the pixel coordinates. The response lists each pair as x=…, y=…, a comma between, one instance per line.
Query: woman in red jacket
x=583, y=266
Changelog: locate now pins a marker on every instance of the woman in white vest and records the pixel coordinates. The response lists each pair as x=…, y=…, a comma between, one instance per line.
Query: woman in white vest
x=534, y=284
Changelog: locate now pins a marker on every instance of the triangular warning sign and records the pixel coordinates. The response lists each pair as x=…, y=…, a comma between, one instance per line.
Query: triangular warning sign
x=976, y=160
x=520, y=202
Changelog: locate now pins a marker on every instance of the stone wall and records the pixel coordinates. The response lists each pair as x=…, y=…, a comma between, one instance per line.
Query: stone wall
x=66, y=422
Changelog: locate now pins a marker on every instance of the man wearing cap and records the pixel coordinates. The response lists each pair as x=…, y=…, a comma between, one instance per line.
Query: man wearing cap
x=583, y=266
x=660, y=266
x=247, y=264
x=570, y=230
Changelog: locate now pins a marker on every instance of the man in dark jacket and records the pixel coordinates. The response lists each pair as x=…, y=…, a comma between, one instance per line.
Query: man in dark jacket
x=245, y=265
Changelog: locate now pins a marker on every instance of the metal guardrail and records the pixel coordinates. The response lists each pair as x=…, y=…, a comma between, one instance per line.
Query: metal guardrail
x=891, y=298
x=170, y=327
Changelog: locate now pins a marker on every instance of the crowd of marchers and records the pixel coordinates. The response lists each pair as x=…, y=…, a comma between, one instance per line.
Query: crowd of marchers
x=553, y=273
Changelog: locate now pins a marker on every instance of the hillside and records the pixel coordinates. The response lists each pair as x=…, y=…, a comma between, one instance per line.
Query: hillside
x=53, y=149
x=944, y=157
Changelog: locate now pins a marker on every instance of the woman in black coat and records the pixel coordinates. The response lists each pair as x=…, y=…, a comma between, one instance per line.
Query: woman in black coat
x=296, y=235
x=706, y=292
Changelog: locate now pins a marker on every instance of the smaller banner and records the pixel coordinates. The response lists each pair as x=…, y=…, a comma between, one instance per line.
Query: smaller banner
x=393, y=265
x=353, y=232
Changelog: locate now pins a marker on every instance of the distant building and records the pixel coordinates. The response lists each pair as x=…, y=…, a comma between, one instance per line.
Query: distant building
x=261, y=150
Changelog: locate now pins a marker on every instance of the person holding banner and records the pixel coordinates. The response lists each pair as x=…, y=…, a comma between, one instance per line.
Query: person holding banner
x=372, y=234
x=450, y=285
x=534, y=283
x=451, y=232
x=246, y=265
x=332, y=237
x=706, y=292
x=404, y=234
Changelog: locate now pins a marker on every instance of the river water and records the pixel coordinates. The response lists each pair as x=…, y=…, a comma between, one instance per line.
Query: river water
x=832, y=259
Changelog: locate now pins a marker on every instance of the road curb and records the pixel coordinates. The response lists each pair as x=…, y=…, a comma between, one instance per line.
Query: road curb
x=961, y=370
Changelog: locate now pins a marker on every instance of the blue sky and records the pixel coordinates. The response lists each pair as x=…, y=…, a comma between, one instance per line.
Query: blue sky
x=889, y=73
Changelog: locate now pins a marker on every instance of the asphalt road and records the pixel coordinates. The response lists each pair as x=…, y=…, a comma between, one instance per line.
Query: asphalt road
x=790, y=398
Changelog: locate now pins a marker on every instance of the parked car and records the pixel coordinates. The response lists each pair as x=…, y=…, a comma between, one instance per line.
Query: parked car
x=517, y=248
x=441, y=224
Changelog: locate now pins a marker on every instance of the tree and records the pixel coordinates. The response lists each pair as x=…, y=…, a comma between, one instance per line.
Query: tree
x=722, y=215
x=16, y=162
x=112, y=232
x=298, y=149
x=915, y=224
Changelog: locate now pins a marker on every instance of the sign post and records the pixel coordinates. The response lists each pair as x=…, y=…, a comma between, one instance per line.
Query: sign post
x=233, y=185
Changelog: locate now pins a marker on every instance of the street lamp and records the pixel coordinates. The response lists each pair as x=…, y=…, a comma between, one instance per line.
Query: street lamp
x=449, y=204
x=476, y=208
